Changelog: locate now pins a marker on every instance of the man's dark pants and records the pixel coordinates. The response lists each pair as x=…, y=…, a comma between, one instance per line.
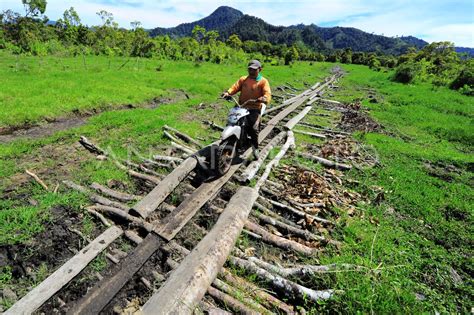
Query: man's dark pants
x=253, y=126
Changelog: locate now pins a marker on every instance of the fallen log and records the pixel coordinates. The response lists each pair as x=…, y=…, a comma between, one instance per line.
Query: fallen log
x=134, y=237
x=188, y=283
x=293, y=121
x=91, y=147
x=46, y=289
x=165, y=158
x=95, y=197
x=274, y=215
x=213, y=125
x=296, y=211
x=290, y=143
x=183, y=136
x=275, y=184
x=252, y=234
x=177, y=141
x=249, y=173
x=306, y=205
x=237, y=294
x=312, y=134
x=304, y=270
x=218, y=294
x=123, y=215
x=290, y=288
x=228, y=300
x=263, y=297
x=151, y=201
x=278, y=240
x=100, y=217
x=330, y=102
x=113, y=193
x=326, y=162
x=305, y=234
x=316, y=86
x=268, y=300
x=152, y=179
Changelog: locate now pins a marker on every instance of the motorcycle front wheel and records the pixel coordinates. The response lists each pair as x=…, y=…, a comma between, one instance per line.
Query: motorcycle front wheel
x=225, y=155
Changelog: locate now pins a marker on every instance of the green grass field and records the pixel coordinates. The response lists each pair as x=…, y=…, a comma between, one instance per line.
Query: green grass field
x=414, y=242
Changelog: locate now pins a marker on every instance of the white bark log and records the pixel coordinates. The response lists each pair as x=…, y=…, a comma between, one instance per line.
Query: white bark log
x=249, y=173
x=188, y=283
x=326, y=162
x=290, y=288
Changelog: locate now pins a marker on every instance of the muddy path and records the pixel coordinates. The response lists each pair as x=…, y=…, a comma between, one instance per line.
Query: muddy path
x=76, y=119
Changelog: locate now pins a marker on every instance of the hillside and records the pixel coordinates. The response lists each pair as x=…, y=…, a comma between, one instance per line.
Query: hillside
x=220, y=19
x=228, y=21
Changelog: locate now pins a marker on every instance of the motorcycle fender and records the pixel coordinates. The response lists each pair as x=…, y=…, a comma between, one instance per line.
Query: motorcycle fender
x=231, y=131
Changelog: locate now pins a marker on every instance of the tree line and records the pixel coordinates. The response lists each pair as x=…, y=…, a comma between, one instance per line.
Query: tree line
x=33, y=34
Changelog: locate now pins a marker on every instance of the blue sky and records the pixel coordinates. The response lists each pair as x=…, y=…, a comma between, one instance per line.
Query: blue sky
x=430, y=20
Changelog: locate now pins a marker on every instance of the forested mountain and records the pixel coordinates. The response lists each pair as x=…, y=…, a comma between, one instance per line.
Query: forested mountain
x=228, y=21
x=222, y=18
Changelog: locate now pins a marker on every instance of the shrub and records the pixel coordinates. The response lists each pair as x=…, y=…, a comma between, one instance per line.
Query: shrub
x=465, y=77
x=406, y=72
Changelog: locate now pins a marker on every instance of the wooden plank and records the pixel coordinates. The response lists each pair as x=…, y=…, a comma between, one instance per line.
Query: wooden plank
x=253, y=167
x=176, y=220
x=293, y=121
x=188, y=283
x=296, y=102
x=46, y=289
x=312, y=134
x=101, y=294
x=153, y=199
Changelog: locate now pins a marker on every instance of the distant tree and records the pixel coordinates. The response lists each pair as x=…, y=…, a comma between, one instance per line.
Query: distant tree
x=199, y=33
x=465, y=77
x=358, y=58
x=291, y=55
x=346, y=56
x=373, y=62
x=68, y=26
x=142, y=45
x=106, y=17
x=211, y=37
x=234, y=41
x=34, y=8
x=71, y=17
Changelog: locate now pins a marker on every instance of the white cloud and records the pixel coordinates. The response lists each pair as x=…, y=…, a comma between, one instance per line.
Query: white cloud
x=460, y=34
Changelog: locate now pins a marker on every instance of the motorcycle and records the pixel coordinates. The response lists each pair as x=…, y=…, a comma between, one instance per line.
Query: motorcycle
x=234, y=137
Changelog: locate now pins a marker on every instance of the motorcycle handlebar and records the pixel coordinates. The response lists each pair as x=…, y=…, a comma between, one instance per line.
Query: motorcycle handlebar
x=231, y=98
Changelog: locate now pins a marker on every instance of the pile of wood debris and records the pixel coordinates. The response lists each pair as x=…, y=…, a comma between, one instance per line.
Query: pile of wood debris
x=349, y=150
x=316, y=193
x=356, y=119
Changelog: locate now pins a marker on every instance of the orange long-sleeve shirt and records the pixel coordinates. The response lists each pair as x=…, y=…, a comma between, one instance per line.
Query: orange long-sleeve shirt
x=251, y=89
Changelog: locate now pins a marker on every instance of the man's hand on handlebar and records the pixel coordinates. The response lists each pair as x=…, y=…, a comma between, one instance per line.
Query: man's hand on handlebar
x=225, y=95
x=262, y=99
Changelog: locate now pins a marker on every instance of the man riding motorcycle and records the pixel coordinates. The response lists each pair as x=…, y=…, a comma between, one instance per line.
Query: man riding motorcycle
x=254, y=86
